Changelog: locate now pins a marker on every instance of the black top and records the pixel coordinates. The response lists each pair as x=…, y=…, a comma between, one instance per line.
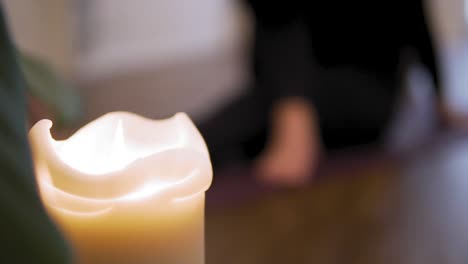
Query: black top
x=296, y=38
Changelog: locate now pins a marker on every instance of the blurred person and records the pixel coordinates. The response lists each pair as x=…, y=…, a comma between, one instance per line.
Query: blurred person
x=326, y=76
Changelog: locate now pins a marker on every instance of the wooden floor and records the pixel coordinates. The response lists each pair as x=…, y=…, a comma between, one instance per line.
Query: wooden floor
x=363, y=208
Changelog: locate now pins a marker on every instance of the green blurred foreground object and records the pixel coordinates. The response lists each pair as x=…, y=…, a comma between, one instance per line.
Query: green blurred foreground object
x=26, y=233
x=60, y=98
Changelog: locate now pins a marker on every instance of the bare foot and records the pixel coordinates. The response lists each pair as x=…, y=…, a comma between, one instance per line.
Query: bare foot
x=454, y=119
x=292, y=154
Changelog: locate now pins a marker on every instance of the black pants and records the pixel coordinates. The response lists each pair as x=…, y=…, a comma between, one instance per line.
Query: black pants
x=353, y=106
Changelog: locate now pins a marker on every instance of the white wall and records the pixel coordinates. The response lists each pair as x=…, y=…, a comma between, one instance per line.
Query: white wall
x=133, y=35
x=43, y=28
x=98, y=38
x=153, y=57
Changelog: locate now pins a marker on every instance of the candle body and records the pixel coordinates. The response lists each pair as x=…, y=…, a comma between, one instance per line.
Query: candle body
x=125, y=189
x=169, y=232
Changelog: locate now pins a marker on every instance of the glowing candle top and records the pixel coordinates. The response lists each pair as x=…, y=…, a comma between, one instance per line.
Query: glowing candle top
x=120, y=158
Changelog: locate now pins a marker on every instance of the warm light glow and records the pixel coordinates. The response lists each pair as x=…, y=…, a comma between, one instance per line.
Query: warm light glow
x=118, y=158
x=110, y=158
x=114, y=159
x=122, y=157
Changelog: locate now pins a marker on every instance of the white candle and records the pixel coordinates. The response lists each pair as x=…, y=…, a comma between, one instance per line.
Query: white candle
x=126, y=189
